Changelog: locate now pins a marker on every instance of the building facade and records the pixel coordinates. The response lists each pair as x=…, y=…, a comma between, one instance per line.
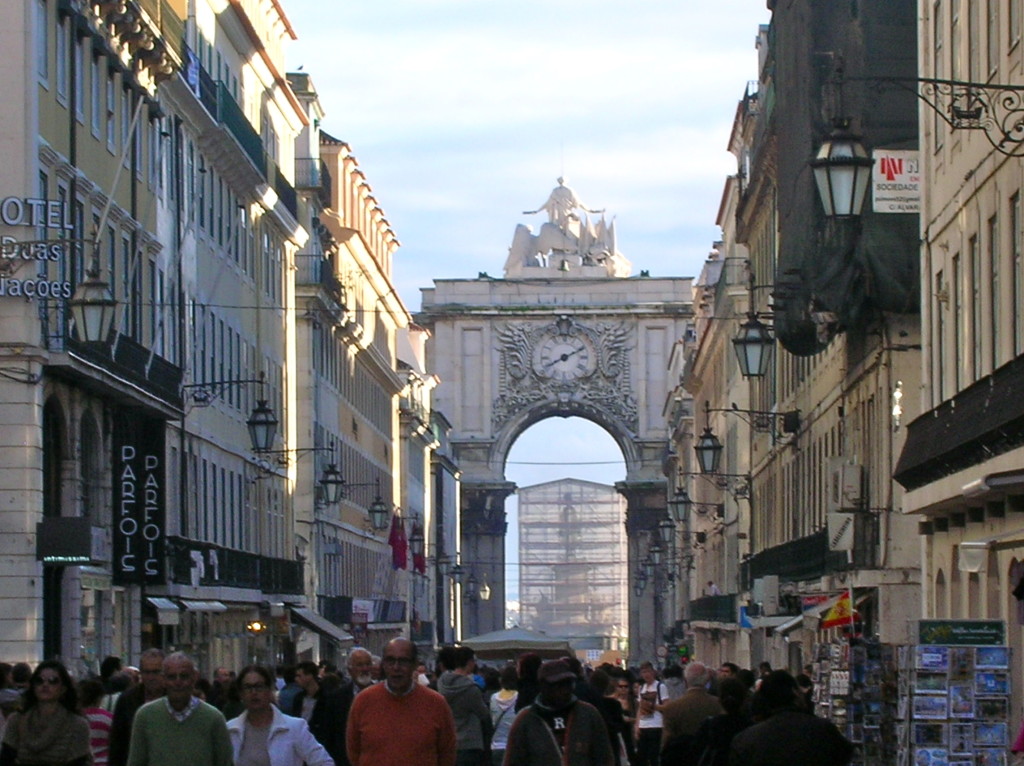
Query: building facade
x=961, y=465
x=165, y=156
x=812, y=452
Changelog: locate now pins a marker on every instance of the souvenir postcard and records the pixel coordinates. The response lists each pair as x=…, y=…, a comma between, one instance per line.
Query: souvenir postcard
x=992, y=708
x=931, y=683
x=991, y=734
x=931, y=756
x=932, y=658
x=961, y=738
x=997, y=657
x=984, y=756
x=930, y=734
x=934, y=707
x=961, y=700
x=987, y=682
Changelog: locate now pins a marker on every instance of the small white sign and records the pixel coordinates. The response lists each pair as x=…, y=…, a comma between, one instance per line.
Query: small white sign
x=896, y=182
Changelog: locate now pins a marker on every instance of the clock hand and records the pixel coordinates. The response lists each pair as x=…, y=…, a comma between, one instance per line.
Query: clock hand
x=563, y=357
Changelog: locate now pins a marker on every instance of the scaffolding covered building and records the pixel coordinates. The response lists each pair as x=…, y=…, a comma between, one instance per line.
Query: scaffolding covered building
x=573, y=570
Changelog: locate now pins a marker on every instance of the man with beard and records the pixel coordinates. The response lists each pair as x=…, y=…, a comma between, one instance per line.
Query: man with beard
x=558, y=728
x=360, y=674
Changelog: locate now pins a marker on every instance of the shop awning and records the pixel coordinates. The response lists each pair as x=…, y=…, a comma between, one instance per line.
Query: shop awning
x=773, y=621
x=162, y=604
x=791, y=624
x=203, y=606
x=322, y=626
x=974, y=553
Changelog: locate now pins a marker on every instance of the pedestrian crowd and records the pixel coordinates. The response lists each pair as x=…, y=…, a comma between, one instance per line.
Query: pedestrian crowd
x=393, y=711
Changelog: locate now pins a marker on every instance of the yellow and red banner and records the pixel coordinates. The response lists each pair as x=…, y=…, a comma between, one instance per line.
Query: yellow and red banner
x=841, y=613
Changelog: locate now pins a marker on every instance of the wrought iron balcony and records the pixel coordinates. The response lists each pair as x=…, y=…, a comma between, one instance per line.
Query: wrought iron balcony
x=714, y=609
x=200, y=563
x=312, y=173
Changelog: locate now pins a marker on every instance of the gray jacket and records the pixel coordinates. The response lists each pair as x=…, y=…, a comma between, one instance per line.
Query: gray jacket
x=467, y=703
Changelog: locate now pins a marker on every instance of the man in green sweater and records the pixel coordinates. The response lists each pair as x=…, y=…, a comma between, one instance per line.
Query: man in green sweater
x=179, y=728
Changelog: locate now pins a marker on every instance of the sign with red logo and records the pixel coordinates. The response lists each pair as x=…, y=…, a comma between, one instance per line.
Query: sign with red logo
x=896, y=182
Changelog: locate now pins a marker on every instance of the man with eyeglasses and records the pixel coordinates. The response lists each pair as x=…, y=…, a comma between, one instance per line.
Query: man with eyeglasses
x=151, y=665
x=180, y=728
x=400, y=722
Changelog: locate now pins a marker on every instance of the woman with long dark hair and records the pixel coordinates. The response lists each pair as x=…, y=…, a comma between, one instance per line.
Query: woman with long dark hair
x=47, y=731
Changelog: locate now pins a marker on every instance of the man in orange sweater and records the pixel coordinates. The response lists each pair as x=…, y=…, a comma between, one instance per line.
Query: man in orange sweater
x=400, y=722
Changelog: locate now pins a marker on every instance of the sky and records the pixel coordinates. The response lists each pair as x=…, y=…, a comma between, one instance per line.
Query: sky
x=463, y=113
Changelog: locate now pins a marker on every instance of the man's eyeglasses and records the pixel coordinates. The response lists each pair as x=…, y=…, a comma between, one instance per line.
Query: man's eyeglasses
x=46, y=681
x=404, y=662
x=177, y=676
x=255, y=688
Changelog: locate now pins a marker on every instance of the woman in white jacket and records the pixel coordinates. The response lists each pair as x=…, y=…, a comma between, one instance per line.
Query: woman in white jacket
x=263, y=735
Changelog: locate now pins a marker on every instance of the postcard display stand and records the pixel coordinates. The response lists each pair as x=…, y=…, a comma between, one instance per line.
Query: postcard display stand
x=954, y=695
x=856, y=688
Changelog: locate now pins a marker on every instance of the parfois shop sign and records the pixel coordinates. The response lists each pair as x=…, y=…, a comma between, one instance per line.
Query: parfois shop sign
x=36, y=213
x=139, y=500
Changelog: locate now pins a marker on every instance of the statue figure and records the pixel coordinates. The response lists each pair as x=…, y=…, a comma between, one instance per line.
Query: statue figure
x=561, y=206
x=568, y=240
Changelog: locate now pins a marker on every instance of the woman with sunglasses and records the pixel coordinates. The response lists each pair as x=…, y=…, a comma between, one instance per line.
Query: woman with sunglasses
x=48, y=731
x=263, y=735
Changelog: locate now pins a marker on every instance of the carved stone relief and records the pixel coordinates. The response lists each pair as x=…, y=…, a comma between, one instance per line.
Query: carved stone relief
x=565, y=363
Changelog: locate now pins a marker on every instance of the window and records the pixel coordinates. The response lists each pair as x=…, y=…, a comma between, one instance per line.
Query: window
x=79, y=79
x=992, y=36
x=1013, y=27
x=95, y=95
x=126, y=120
x=1017, y=275
x=111, y=108
x=938, y=345
x=954, y=39
x=974, y=254
x=956, y=304
x=63, y=63
x=995, y=286
x=42, y=43
x=973, y=41
x=938, y=125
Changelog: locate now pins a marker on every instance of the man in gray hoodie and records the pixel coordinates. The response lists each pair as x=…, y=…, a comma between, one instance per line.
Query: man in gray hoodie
x=472, y=719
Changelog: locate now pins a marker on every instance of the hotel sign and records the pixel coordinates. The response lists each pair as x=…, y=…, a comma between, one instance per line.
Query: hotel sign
x=36, y=213
x=139, y=500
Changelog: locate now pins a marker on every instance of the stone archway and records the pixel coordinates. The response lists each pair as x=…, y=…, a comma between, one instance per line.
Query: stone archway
x=567, y=333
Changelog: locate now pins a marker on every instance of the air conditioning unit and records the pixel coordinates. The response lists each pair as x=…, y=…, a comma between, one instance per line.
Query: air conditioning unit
x=845, y=486
x=766, y=593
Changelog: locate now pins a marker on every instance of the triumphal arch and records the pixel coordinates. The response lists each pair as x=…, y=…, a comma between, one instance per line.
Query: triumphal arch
x=567, y=331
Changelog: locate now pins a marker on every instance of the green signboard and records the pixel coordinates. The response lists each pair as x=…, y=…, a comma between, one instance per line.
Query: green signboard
x=962, y=632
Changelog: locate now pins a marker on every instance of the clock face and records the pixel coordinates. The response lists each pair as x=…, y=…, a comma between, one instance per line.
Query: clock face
x=564, y=358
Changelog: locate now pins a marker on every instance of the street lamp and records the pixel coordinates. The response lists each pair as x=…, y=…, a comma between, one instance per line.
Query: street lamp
x=332, y=485
x=709, y=451
x=417, y=540
x=262, y=426
x=842, y=172
x=92, y=308
x=667, y=532
x=753, y=346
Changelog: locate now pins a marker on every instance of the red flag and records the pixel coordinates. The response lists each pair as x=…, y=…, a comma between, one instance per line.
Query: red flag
x=398, y=542
x=419, y=561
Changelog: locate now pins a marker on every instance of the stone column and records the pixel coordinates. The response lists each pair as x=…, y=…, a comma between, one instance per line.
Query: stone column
x=651, y=612
x=483, y=554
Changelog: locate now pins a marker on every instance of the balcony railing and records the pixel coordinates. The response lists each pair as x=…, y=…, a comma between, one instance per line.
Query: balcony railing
x=312, y=173
x=805, y=558
x=714, y=609
x=200, y=563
